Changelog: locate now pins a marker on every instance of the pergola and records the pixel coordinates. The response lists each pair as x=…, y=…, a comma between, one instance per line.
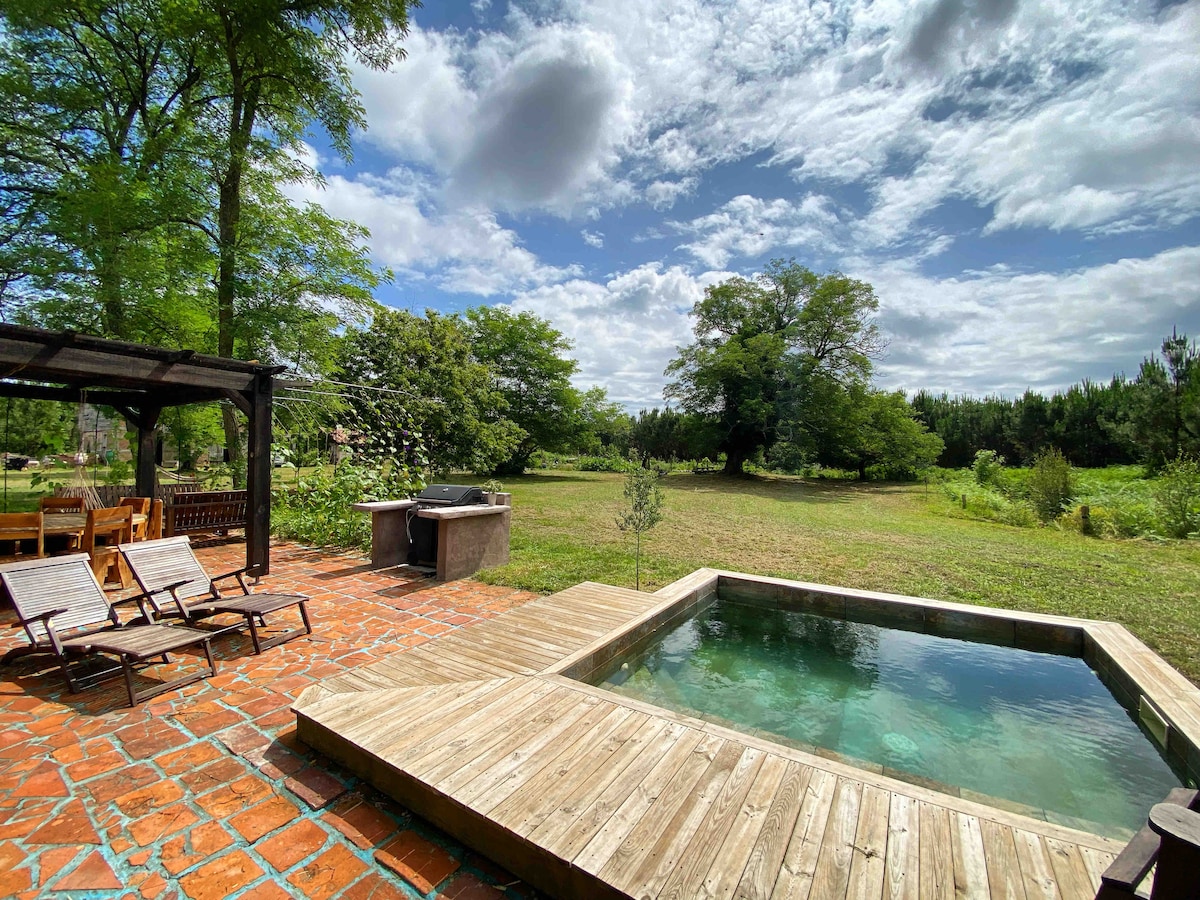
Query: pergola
x=139, y=382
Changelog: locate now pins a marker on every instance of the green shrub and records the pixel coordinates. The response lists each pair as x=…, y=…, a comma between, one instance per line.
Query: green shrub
x=1177, y=498
x=1049, y=484
x=317, y=510
x=988, y=464
x=603, y=464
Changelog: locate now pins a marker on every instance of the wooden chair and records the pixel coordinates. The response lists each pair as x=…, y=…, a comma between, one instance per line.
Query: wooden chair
x=154, y=527
x=103, y=533
x=1121, y=880
x=17, y=527
x=168, y=566
x=65, y=614
x=61, y=504
x=140, y=507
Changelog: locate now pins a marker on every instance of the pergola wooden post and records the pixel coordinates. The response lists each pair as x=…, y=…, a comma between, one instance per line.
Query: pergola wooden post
x=139, y=382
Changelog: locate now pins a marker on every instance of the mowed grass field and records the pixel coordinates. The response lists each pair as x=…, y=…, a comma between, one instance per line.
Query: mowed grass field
x=900, y=538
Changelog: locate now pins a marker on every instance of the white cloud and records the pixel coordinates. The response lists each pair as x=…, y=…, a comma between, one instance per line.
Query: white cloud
x=749, y=226
x=1079, y=116
x=996, y=331
x=464, y=251
x=625, y=330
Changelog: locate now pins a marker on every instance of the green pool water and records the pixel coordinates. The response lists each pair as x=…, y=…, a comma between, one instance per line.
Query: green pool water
x=992, y=723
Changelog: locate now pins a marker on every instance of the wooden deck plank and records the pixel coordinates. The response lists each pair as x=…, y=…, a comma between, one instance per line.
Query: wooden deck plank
x=715, y=831
x=795, y=878
x=903, y=860
x=730, y=860
x=766, y=857
x=581, y=816
x=448, y=771
x=481, y=722
x=668, y=851
x=439, y=712
x=442, y=665
x=831, y=877
x=522, y=812
x=936, y=853
x=970, y=858
x=1037, y=868
x=505, y=640
x=1095, y=861
x=1003, y=868
x=1070, y=871
x=497, y=784
x=869, y=851
x=678, y=770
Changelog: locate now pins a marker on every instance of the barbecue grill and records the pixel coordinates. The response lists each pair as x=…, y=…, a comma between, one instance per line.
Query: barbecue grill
x=422, y=533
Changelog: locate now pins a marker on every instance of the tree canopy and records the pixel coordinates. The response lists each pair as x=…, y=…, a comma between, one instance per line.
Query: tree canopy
x=764, y=346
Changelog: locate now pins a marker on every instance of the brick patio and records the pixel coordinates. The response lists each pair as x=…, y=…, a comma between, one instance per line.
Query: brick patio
x=204, y=792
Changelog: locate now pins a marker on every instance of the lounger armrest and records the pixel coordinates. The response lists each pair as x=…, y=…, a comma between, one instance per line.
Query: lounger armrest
x=140, y=599
x=236, y=573
x=44, y=618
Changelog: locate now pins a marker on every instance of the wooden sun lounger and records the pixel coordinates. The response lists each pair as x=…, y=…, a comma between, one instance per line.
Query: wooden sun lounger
x=168, y=566
x=65, y=614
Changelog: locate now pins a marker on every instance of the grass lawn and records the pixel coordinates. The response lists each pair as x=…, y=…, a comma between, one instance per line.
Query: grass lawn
x=887, y=537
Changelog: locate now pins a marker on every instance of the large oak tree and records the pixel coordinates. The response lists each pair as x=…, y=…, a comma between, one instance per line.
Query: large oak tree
x=763, y=343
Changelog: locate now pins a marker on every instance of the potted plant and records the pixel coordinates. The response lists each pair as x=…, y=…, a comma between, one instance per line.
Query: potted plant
x=493, y=492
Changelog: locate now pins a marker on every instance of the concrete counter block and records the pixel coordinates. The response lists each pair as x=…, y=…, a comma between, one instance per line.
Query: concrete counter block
x=469, y=538
x=461, y=512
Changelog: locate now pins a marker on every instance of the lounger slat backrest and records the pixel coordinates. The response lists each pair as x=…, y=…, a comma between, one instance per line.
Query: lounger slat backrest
x=61, y=582
x=156, y=564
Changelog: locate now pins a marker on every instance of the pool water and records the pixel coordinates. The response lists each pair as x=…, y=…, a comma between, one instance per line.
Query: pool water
x=1033, y=729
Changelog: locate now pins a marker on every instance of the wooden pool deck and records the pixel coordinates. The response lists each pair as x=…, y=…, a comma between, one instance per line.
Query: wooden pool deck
x=584, y=793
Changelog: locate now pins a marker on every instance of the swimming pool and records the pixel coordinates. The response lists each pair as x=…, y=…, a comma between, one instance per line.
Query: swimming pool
x=1033, y=732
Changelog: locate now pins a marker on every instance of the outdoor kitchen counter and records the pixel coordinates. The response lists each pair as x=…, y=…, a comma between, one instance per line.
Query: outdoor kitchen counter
x=470, y=538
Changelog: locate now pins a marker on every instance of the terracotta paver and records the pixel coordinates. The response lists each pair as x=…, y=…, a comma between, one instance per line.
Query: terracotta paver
x=205, y=791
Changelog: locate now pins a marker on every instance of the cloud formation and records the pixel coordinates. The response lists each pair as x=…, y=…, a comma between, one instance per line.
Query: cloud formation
x=913, y=145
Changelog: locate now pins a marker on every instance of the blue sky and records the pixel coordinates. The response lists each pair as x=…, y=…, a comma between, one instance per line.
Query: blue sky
x=1019, y=180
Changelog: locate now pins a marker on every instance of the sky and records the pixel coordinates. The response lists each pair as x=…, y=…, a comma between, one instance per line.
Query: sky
x=1018, y=179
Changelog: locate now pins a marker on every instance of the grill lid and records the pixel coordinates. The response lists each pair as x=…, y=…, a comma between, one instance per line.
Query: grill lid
x=450, y=495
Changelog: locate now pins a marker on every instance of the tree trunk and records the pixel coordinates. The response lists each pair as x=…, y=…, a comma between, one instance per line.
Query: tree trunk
x=243, y=109
x=733, y=462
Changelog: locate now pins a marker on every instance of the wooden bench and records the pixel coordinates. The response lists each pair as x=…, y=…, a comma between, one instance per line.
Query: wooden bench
x=205, y=511
x=1121, y=879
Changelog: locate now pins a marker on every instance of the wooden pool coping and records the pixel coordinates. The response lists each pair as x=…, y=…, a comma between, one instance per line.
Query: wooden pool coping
x=498, y=786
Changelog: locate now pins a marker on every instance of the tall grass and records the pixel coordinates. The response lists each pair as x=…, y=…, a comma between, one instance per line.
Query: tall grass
x=904, y=538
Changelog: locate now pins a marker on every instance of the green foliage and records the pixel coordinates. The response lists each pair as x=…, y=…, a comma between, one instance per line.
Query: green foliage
x=38, y=427
x=642, y=511
x=492, y=486
x=761, y=344
x=428, y=366
x=526, y=358
x=1177, y=498
x=1166, y=408
x=119, y=472
x=987, y=467
x=610, y=463
x=1049, y=484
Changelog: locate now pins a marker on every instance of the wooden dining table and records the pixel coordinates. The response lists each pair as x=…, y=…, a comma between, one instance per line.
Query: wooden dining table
x=74, y=523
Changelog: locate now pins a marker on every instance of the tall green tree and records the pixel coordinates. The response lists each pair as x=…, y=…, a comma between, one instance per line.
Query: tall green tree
x=97, y=119
x=1166, y=407
x=428, y=364
x=145, y=146
x=527, y=357
x=760, y=344
x=279, y=68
